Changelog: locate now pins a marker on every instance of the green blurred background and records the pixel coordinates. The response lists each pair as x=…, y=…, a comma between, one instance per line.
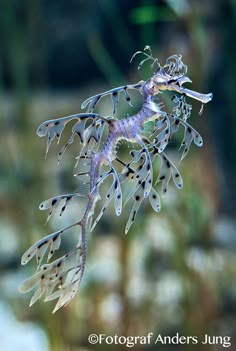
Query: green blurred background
x=175, y=271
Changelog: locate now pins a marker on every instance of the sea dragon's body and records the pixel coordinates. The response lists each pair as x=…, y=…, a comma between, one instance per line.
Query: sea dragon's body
x=61, y=278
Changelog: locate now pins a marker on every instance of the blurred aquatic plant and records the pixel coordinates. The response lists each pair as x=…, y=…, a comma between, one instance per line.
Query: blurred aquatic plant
x=99, y=137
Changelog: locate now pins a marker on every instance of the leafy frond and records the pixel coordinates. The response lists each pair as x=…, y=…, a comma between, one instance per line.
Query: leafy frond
x=115, y=95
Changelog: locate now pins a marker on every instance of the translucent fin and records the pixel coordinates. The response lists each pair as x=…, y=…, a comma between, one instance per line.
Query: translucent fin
x=172, y=126
x=114, y=93
x=182, y=107
x=164, y=176
x=115, y=100
x=57, y=201
x=37, y=295
x=168, y=170
x=190, y=135
x=54, y=127
x=38, y=249
x=65, y=271
x=118, y=192
x=155, y=200
x=55, y=244
x=78, y=129
x=128, y=97
x=66, y=295
x=30, y=283
x=45, y=242
x=164, y=136
x=140, y=180
x=110, y=195
x=138, y=198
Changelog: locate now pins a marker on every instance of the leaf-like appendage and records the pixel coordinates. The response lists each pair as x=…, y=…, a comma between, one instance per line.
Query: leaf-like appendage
x=53, y=128
x=155, y=200
x=57, y=201
x=114, y=93
x=62, y=273
x=39, y=248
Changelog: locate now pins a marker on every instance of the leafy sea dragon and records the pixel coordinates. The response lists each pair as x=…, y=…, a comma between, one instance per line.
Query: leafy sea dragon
x=61, y=278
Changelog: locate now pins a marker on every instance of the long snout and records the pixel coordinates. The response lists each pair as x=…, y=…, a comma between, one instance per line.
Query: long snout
x=204, y=98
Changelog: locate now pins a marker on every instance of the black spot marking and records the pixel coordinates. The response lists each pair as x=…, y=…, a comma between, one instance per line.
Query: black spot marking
x=162, y=177
x=56, y=123
x=43, y=243
x=176, y=175
x=137, y=197
x=63, y=209
x=114, y=93
x=154, y=196
x=42, y=276
x=134, y=214
x=189, y=129
x=148, y=166
x=177, y=121
x=118, y=196
x=54, y=201
x=168, y=163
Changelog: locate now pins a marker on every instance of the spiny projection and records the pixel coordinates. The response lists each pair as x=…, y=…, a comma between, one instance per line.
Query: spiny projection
x=60, y=279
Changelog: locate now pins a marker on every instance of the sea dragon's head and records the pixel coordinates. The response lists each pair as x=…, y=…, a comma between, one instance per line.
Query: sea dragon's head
x=171, y=76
